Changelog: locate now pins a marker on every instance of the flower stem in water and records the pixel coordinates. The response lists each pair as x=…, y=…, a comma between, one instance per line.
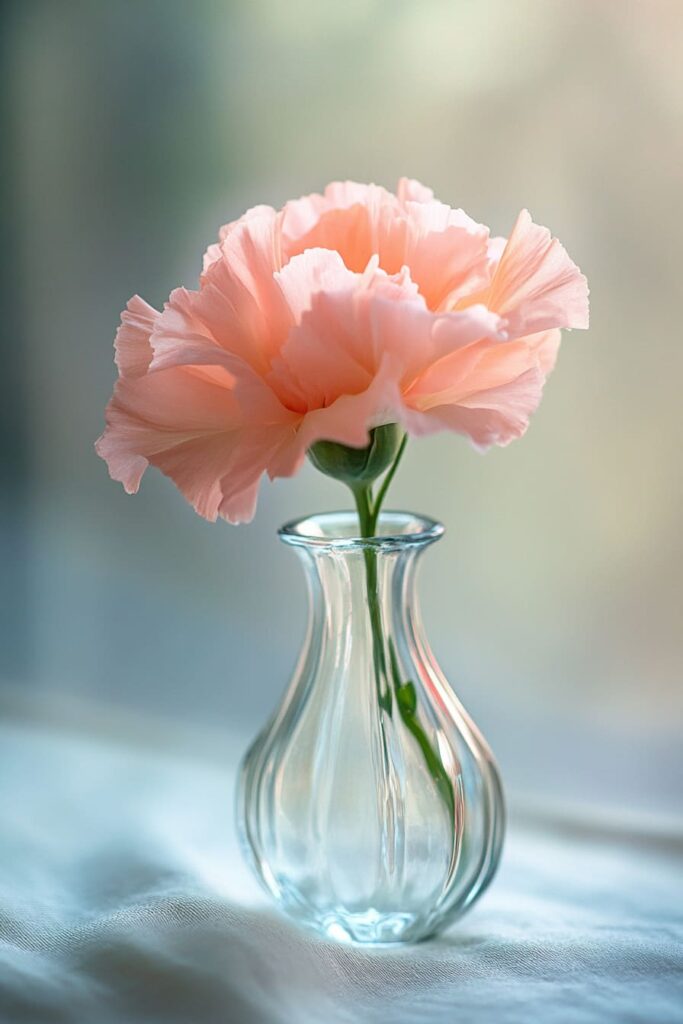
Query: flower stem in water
x=404, y=691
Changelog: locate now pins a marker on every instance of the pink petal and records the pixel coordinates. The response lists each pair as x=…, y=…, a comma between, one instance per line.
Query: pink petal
x=156, y=411
x=311, y=272
x=220, y=474
x=419, y=339
x=239, y=304
x=347, y=420
x=347, y=231
x=177, y=341
x=494, y=416
x=413, y=190
x=536, y=286
x=356, y=220
x=444, y=249
x=189, y=428
x=180, y=338
x=545, y=346
x=312, y=373
x=469, y=371
x=357, y=323
x=133, y=352
x=240, y=507
x=238, y=318
x=335, y=349
x=350, y=193
x=446, y=252
x=496, y=248
x=214, y=251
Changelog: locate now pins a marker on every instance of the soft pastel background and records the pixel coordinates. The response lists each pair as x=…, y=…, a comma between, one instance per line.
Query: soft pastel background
x=555, y=601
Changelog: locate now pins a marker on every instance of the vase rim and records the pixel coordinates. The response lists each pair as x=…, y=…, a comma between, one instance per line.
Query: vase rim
x=334, y=531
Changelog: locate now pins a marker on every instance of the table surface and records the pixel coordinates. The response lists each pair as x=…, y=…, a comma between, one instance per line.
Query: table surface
x=124, y=900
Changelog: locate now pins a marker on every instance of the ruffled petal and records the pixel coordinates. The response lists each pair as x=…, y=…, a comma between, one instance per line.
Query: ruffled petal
x=357, y=221
x=536, y=286
x=241, y=507
x=496, y=248
x=346, y=230
x=180, y=339
x=545, y=347
x=160, y=410
x=348, y=420
x=419, y=339
x=344, y=311
x=132, y=349
x=239, y=304
x=409, y=189
x=495, y=415
x=312, y=272
x=191, y=429
x=469, y=371
x=213, y=252
x=359, y=323
x=444, y=249
x=335, y=349
x=219, y=475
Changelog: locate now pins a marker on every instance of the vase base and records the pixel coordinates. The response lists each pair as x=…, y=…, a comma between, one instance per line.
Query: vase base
x=370, y=928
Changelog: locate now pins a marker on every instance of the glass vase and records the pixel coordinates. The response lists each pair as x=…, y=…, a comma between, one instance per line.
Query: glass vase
x=370, y=806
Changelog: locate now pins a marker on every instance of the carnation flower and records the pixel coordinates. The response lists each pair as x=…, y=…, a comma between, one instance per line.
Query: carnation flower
x=340, y=314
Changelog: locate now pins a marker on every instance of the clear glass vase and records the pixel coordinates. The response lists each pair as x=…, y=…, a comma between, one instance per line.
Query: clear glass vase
x=370, y=806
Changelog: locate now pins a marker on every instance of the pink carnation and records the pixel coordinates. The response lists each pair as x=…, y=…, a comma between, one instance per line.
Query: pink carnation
x=337, y=314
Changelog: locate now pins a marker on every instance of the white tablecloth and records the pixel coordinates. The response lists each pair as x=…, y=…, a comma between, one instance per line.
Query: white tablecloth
x=123, y=899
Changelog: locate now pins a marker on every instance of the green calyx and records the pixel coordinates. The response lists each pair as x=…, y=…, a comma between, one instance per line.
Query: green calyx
x=358, y=467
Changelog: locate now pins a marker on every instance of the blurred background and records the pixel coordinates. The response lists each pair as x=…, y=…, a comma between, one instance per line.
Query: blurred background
x=132, y=131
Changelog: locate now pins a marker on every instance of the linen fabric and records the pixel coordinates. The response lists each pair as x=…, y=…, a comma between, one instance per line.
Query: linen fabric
x=125, y=900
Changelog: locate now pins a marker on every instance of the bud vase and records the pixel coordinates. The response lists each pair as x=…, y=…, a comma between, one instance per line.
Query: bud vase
x=370, y=806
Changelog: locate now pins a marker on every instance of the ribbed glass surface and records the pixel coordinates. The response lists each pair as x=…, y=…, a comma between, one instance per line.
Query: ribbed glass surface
x=370, y=806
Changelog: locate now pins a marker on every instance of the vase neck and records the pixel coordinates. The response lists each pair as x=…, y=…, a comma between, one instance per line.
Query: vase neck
x=341, y=564
x=363, y=606
x=339, y=533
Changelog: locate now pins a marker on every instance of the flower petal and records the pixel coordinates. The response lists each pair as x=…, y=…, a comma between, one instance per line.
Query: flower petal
x=420, y=339
x=132, y=350
x=536, y=286
x=311, y=272
x=160, y=410
x=444, y=249
x=193, y=431
x=335, y=349
x=545, y=346
x=239, y=304
x=348, y=420
x=358, y=221
x=497, y=415
x=469, y=371
x=346, y=230
x=213, y=252
x=220, y=474
x=409, y=189
x=177, y=340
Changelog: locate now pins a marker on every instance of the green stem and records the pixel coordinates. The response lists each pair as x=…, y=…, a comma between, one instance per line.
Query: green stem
x=405, y=693
x=368, y=521
x=386, y=483
x=406, y=699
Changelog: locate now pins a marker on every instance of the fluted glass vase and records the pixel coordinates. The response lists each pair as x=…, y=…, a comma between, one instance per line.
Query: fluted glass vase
x=370, y=806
